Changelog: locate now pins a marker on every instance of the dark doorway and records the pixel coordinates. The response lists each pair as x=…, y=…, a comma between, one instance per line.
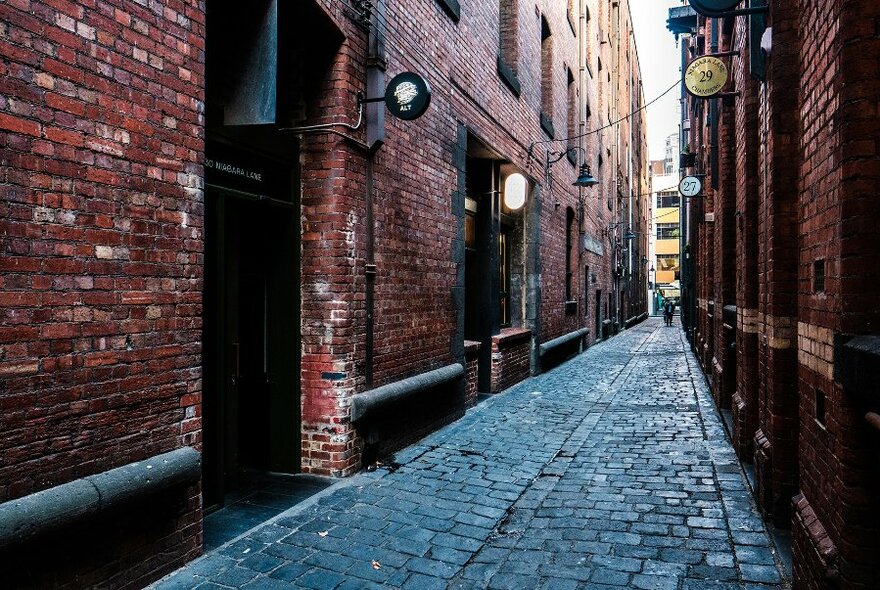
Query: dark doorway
x=267, y=69
x=482, y=281
x=599, y=334
x=251, y=341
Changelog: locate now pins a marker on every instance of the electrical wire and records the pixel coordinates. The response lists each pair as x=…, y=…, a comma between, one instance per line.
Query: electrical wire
x=396, y=41
x=612, y=124
x=415, y=53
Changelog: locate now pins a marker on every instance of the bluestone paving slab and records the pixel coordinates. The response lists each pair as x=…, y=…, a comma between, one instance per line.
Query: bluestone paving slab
x=612, y=470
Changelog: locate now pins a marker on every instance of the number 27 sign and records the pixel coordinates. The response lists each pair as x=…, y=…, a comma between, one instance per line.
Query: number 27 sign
x=690, y=186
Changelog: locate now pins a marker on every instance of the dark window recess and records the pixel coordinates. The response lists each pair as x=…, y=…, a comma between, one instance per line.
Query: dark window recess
x=508, y=76
x=546, y=77
x=667, y=231
x=571, y=123
x=666, y=201
x=508, y=43
x=451, y=7
x=570, y=255
x=820, y=407
x=547, y=124
x=819, y=276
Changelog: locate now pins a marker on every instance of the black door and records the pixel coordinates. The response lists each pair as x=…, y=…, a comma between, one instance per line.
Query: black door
x=251, y=341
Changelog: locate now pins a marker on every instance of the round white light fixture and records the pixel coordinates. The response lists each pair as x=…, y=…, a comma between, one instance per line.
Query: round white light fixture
x=515, y=191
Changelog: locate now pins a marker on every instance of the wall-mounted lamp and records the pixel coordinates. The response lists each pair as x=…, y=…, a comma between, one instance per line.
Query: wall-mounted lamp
x=585, y=178
x=608, y=231
x=515, y=188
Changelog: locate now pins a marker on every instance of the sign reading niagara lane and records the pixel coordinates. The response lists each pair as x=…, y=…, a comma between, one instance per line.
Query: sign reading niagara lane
x=246, y=171
x=407, y=96
x=705, y=76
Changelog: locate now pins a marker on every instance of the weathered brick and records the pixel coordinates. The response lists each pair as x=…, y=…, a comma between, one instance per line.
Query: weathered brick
x=805, y=274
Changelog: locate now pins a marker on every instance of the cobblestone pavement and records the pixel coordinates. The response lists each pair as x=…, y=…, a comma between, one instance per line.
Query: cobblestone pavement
x=611, y=471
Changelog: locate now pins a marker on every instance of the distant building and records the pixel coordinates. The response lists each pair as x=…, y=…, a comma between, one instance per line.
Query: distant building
x=665, y=231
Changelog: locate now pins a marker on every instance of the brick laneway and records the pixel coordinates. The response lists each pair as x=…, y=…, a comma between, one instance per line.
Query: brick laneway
x=610, y=471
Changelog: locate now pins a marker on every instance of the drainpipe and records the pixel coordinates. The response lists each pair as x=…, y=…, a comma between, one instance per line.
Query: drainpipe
x=376, y=65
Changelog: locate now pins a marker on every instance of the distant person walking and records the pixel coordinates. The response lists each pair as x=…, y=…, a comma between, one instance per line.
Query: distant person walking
x=669, y=311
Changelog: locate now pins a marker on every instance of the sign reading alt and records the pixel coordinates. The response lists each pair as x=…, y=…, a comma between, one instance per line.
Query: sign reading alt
x=407, y=96
x=705, y=76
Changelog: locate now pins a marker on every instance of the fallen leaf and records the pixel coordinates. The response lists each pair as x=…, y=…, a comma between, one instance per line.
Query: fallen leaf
x=376, y=565
x=323, y=533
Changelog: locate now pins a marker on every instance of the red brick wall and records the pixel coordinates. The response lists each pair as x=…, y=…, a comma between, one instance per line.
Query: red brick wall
x=838, y=226
x=101, y=225
x=101, y=137
x=332, y=268
x=777, y=308
x=510, y=357
x=748, y=142
x=471, y=350
x=805, y=171
x=724, y=249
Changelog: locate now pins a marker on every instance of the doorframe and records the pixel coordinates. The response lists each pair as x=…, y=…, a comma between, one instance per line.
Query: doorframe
x=216, y=408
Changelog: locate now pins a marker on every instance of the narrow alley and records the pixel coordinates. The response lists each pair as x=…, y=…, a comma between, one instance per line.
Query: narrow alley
x=613, y=470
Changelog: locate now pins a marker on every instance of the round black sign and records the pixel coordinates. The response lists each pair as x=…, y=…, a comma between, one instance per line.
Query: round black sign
x=407, y=96
x=714, y=7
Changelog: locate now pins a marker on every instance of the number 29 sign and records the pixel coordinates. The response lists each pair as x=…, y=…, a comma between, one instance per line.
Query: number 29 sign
x=705, y=76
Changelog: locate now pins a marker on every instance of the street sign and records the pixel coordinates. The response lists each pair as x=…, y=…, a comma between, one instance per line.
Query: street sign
x=690, y=186
x=407, y=96
x=705, y=76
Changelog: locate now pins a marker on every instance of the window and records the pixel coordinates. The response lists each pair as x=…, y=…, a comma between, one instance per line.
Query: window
x=819, y=276
x=667, y=231
x=666, y=200
x=470, y=231
x=546, y=77
x=452, y=8
x=570, y=254
x=508, y=43
x=667, y=263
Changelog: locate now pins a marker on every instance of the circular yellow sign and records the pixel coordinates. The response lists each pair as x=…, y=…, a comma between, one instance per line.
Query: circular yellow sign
x=705, y=76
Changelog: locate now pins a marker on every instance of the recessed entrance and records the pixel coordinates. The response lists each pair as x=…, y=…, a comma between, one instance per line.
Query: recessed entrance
x=251, y=341
x=266, y=70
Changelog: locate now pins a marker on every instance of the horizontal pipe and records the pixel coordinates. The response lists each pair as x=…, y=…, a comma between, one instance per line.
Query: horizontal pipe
x=74, y=502
x=370, y=401
x=565, y=339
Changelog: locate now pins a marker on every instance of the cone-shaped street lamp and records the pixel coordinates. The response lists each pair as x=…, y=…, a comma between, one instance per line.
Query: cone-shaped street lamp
x=585, y=179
